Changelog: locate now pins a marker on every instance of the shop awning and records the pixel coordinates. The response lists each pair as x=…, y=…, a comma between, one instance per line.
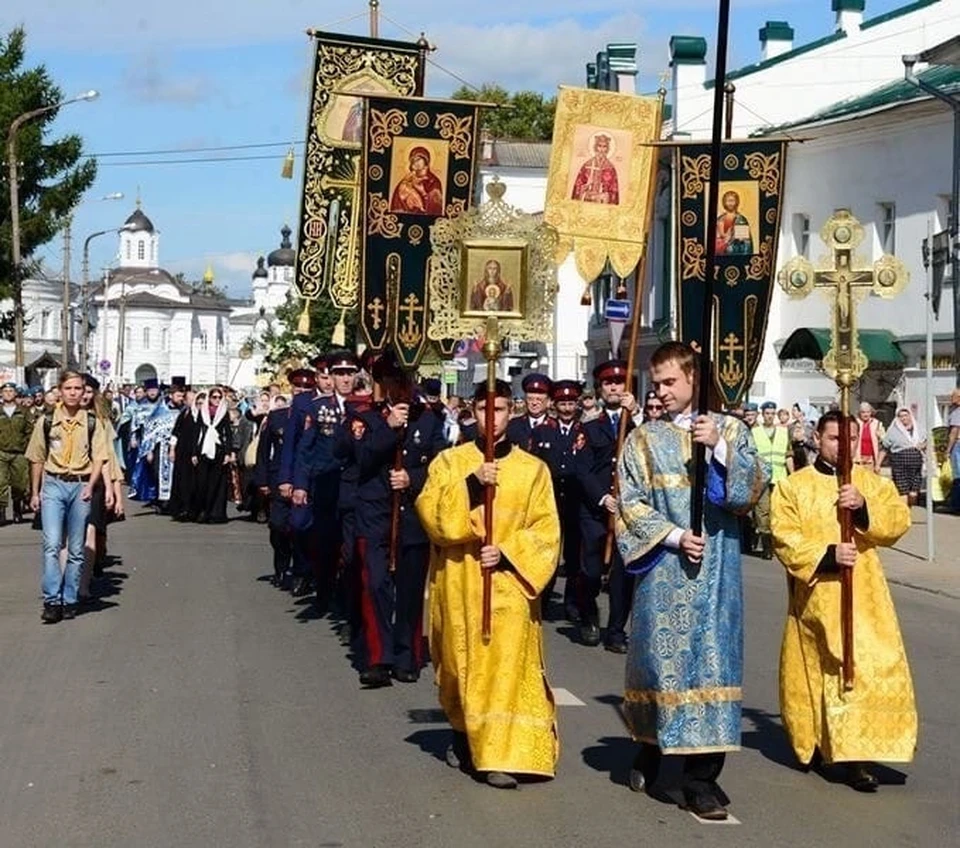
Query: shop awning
x=879, y=346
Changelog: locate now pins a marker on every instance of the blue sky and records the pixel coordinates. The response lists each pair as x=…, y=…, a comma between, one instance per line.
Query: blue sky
x=203, y=73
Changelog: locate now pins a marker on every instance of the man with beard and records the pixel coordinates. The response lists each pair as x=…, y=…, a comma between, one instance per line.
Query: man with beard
x=398, y=431
x=184, y=435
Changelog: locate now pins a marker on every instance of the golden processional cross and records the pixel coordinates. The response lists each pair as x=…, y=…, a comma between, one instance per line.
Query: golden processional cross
x=845, y=361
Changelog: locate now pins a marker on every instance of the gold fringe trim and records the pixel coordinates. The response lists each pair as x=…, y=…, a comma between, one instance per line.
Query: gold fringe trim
x=719, y=694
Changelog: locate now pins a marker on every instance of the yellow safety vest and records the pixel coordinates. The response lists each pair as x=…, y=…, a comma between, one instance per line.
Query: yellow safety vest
x=773, y=451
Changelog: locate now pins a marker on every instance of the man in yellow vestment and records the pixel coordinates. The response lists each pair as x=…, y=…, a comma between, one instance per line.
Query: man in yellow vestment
x=495, y=695
x=877, y=720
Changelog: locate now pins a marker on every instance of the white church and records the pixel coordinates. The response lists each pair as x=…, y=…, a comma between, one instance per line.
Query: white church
x=145, y=324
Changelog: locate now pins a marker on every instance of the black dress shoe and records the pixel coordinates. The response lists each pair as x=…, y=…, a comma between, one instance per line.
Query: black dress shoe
x=301, y=587
x=705, y=806
x=501, y=780
x=590, y=634
x=616, y=645
x=52, y=613
x=69, y=612
x=404, y=675
x=860, y=778
x=376, y=677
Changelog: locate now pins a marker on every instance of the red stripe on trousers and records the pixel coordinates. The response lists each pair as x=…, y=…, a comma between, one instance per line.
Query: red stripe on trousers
x=368, y=618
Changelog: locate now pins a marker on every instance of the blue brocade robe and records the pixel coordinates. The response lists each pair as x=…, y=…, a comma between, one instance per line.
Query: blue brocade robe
x=685, y=660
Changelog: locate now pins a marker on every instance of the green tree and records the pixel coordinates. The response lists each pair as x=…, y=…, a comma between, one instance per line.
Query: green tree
x=527, y=116
x=52, y=173
x=324, y=317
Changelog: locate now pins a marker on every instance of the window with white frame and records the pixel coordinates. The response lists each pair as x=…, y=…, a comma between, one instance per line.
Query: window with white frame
x=141, y=249
x=887, y=227
x=164, y=339
x=203, y=340
x=146, y=338
x=801, y=234
x=128, y=249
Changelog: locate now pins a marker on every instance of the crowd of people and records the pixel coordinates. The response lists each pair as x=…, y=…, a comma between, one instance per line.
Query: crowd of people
x=376, y=494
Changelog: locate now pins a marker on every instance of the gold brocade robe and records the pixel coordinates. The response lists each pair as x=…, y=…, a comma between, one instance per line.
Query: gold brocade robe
x=877, y=721
x=496, y=693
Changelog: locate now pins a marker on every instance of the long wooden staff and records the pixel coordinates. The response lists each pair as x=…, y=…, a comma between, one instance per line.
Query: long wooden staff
x=846, y=535
x=395, y=498
x=706, y=326
x=491, y=351
x=641, y=274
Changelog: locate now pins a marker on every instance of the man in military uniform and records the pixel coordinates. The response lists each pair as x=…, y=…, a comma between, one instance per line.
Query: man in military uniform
x=402, y=432
x=595, y=460
x=536, y=391
x=325, y=480
x=15, y=431
x=266, y=475
x=553, y=443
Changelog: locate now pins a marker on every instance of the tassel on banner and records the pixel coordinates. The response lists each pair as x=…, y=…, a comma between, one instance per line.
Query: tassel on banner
x=339, y=337
x=303, y=325
x=286, y=172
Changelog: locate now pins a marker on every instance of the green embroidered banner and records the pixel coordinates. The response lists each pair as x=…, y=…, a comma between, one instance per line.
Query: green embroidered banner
x=418, y=166
x=748, y=227
x=330, y=237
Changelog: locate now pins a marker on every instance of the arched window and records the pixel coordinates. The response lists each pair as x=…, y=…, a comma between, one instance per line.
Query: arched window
x=141, y=249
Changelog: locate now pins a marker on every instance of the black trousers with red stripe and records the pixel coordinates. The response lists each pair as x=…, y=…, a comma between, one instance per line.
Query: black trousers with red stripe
x=391, y=605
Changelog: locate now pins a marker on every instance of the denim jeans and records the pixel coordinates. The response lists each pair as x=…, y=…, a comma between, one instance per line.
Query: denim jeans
x=64, y=514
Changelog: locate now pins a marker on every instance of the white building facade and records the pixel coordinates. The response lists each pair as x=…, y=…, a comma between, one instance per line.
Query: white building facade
x=144, y=323
x=865, y=140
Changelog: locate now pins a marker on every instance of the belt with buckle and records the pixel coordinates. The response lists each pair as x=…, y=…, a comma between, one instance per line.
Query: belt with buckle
x=69, y=478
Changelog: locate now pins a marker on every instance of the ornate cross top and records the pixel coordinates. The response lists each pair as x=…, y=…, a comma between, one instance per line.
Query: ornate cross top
x=846, y=284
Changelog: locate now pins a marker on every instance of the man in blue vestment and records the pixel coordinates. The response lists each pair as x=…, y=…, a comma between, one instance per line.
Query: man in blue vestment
x=685, y=658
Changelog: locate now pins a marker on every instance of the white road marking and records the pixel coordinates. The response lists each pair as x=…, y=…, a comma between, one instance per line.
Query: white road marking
x=730, y=819
x=566, y=698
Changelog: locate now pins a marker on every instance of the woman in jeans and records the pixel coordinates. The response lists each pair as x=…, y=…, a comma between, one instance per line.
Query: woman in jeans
x=904, y=443
x=67, y=452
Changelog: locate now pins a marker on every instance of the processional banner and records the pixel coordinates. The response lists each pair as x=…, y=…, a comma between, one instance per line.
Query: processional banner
x=328, y=259
x=418, y=167
x=748, y=227
x=602, y=166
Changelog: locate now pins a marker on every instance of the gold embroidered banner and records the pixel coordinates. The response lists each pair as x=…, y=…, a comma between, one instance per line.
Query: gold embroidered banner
x=748, y=226
x=328, y=259
x=601, y=169
x=418, y=166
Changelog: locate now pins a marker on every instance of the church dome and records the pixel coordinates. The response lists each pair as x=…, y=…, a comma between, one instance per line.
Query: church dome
x=284, y=256
x=138, y=222
x=260, y=271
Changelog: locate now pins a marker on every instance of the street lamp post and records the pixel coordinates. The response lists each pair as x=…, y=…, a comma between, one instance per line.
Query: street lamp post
x=85, y=285
x=15, y=217
x=908, y=64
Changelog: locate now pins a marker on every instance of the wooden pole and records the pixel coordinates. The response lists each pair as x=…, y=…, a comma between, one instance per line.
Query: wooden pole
x=706, y=327
x=845, y=462
x=641, y=274
x=491, y=352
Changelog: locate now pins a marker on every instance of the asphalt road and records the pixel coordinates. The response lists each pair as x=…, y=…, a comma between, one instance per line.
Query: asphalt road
x=198, y=706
